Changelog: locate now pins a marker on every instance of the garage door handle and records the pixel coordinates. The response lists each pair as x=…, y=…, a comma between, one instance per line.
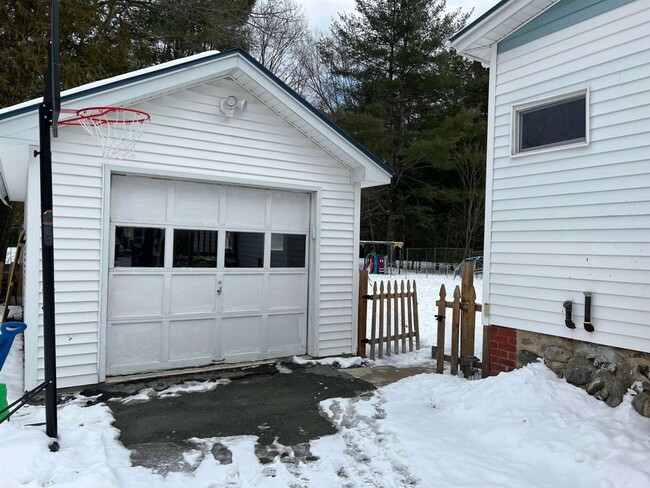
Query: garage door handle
x=220, y=288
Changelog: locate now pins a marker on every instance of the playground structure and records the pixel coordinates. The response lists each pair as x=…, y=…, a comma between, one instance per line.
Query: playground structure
x=379, y=256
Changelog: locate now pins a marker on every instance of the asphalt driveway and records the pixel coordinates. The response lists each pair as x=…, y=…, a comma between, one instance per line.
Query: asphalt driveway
x=277, y=403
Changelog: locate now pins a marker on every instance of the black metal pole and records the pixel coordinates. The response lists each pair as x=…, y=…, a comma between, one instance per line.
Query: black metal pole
x=46, y=114
x=47, y=235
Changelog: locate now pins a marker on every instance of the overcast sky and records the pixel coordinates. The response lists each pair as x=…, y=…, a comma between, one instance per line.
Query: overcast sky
x=321, y=12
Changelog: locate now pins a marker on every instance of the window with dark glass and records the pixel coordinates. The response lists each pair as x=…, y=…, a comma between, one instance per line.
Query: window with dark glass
x=288, y=250
x=552, y=124
x=139, y=247
x=195, y=248
x=244, y=250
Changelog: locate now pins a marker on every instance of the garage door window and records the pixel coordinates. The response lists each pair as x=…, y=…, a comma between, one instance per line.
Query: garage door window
x=139, y=247
x=288, y=250
x=244, y=250
x=195, y=248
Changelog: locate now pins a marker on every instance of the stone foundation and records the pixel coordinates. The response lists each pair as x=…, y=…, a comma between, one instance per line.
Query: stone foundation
x=604, y=372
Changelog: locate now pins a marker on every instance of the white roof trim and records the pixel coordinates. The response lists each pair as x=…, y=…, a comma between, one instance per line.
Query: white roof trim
x=475, y=40
x=20, y=122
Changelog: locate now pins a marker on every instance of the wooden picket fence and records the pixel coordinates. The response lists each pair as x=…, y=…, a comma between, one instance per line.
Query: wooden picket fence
x=394, y=325
x=463, y=327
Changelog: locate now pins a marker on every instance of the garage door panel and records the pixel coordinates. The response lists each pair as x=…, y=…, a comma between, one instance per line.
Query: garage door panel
x=242, y=293
x=245, y=208
x=134, y=295
x=241, y=335
x=131, y=344
x=287, y=291
x=138, y=199
x=290, y=211
x=195, y=203
x=193, y=294
x=191, y=339
x=286, y=333
x=179, y=311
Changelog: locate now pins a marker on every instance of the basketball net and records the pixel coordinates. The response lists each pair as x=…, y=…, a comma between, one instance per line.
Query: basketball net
x=117, y=129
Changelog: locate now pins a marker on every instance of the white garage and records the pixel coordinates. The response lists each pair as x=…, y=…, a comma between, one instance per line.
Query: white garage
x=202, y=273
x=230, y=235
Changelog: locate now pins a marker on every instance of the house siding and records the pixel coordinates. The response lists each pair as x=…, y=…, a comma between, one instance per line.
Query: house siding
x=566, y=221
x=560, y=16
x=189, y=136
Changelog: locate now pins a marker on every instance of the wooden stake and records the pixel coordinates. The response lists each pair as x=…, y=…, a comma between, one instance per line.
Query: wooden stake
x=388, y=319
x=416, y=320
x=409, y=318
x=440, y=344
x=362, y=314
x=455, y=330
x=373, y=321
x=469, y=330
x=395, y=316
x=467, y=281
x=381, y=320
x=471, y=321
x=403, y=314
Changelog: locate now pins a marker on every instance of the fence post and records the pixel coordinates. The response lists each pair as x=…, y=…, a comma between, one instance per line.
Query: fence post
x=373, y=321
x=389, y=297
x=362, y=313
x=403, y=315
x=467, y=282
x=416, y=319
x=471, y=328
x=455, y=331
x=440, y=344
x=382, y=296
x=409, y=314
x=396, y=316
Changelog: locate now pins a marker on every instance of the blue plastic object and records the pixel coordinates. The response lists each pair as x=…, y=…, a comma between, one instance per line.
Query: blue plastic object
x=8, y=331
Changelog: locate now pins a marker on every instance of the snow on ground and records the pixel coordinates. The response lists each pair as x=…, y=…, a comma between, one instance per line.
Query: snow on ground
x=428, y=288
x=525, y=428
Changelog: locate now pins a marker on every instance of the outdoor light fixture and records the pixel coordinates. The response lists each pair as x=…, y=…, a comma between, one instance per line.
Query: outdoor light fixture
x=229, y=104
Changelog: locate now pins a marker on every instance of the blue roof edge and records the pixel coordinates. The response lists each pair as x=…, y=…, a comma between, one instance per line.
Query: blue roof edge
x=207, y=59
x=487, y=14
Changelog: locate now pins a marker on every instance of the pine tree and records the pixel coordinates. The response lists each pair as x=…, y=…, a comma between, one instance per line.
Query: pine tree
x=408, y=98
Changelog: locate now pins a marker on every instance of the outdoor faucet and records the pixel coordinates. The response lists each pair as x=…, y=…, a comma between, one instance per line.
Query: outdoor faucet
x=568, y=308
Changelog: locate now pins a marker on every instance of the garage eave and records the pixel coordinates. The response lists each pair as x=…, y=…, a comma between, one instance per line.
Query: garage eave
x=149, y=83
x=476, y=39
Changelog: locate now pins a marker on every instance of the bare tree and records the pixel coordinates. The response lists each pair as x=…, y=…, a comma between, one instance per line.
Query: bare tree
x=469, y=162
x=278, y=35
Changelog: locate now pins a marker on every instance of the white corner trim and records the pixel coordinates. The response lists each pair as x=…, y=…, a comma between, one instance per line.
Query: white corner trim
x=489, y=175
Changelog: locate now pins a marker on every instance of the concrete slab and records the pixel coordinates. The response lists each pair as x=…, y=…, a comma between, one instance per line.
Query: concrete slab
x=385, y=375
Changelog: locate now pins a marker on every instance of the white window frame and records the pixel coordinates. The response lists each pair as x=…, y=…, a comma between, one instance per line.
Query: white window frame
x=517, y=109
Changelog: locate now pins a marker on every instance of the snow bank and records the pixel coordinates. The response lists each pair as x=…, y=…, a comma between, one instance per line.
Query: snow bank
x=525, y=428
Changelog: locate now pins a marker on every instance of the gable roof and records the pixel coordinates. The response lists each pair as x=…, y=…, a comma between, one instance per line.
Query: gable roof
x=20, y=123
x=476, y=39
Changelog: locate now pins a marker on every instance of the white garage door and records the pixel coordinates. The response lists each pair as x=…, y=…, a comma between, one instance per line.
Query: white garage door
x=202, y=273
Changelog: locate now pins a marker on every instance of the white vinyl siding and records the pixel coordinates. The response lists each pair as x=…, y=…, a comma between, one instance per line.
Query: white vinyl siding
x=190, y=138
x=571, y=220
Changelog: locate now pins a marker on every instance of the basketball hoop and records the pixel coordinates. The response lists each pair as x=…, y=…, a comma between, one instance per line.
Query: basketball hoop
x=116, y=128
